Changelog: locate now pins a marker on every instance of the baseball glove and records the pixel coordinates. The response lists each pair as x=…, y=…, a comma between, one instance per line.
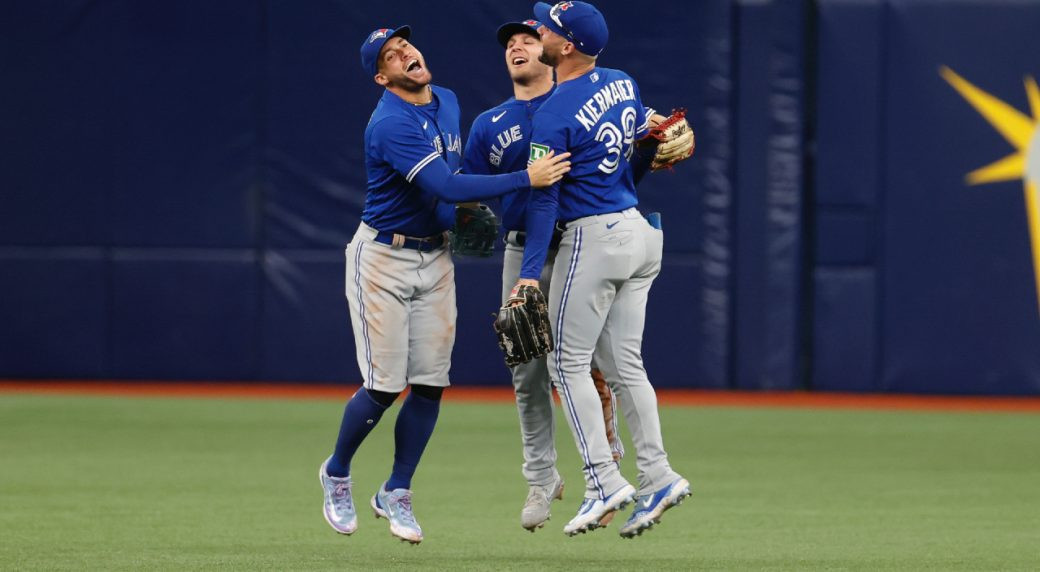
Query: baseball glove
x=522, y=326
x=475, y=231
x=606, y=400
x=675, y=141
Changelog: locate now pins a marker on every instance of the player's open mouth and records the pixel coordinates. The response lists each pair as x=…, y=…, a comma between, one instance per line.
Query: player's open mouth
x=415, y=65
x=517, y=61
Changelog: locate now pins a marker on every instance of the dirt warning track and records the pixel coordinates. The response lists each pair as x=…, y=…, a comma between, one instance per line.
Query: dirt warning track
x=691, y=397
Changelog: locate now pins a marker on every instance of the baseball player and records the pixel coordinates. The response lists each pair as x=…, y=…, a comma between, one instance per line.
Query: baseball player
x=607, y=259
x=400, y=281
x=498, y=143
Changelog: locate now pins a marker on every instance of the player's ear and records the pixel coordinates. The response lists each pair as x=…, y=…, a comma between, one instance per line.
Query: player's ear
x=381, y=79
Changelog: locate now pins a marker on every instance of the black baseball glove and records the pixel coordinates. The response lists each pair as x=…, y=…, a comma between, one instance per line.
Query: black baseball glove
x=522, y=326
x=475, y=231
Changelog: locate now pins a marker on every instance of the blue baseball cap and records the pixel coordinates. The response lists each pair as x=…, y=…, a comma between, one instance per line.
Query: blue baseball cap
x=509, y=29
x=580, y=22
x=374, y=43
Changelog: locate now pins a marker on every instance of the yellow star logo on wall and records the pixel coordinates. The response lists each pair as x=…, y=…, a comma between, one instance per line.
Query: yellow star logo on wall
x=1023, y=133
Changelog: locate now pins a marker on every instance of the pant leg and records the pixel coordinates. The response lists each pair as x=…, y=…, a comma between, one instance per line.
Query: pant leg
x=578, y=303
x=379, y=311
x=432, y=314
x=619, y=355
x=533, y=389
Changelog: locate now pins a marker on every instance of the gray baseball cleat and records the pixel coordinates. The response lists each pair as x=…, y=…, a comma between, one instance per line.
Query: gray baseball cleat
x=536, y=507
x=592, y=511
x=396, y=506
x=651, y=506
x=339, y=504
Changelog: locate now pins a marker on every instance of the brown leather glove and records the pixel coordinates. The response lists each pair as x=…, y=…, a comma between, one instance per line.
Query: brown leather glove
x=606, y=400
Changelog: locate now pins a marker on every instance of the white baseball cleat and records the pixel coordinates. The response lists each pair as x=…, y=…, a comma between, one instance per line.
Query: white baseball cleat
x=536, y=507
x=592, y=511
x=650, y=507
x=339, y=503
x=396, y=506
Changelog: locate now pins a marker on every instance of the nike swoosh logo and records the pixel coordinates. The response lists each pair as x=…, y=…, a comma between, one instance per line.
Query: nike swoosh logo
x=612, y=225
x=495, y=118
x=424, y=124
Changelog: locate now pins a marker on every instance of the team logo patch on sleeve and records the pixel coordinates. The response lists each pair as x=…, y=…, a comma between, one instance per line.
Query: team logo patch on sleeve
x=537, y=152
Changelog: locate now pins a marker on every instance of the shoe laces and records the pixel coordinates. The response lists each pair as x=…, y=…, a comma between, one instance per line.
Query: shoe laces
x=537, y=495
x=341, y=495
x=404, y=505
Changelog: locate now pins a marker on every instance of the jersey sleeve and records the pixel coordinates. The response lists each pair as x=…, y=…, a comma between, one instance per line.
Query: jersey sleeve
x=549, y=133
x=474, y=157
x=400, y=142
x=642, y=114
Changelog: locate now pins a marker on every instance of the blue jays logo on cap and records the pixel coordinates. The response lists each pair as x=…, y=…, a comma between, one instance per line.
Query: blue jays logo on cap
x=561, y=7
x=580, y=22
x=373, y=44
x=532, y=24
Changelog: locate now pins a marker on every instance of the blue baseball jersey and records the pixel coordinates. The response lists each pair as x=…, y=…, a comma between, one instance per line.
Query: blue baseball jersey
x=597, y=117
x=499, y=142
x=400, y=141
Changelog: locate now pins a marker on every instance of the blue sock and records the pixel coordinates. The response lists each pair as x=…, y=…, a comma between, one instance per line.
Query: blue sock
x=361, y=414
x=414, y=427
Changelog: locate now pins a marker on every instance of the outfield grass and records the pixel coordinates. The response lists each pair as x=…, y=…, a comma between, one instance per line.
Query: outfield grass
x=112, y=483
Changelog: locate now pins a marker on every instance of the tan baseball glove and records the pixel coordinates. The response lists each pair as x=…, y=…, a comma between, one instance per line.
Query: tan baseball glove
x=676, y=141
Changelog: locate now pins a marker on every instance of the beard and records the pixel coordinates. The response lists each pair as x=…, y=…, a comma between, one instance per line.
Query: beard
x=548, y=59
x=408, y=84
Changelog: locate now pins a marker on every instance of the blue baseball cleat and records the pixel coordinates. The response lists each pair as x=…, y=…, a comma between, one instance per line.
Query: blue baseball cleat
x=339, y=504
x=650, y=507
x=396, y=506
x=592, y=511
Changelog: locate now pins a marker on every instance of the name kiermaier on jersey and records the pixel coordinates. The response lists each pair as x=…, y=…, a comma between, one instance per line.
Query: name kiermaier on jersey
x=610, y=95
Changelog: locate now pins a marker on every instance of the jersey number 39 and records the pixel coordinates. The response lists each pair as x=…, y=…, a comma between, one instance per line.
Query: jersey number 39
x=618, y=141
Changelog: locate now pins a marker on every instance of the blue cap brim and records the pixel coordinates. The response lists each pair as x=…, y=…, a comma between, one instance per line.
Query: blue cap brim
x=402, y=32
x=541, y=13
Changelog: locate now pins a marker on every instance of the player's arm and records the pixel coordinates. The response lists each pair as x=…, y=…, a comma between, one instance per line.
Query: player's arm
x=543, y=205
x=401, y=143
x=436, y=178
x=643, y=154
x=542, y=211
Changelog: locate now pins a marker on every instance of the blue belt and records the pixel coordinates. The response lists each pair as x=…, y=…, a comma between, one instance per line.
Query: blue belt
x=421, y=244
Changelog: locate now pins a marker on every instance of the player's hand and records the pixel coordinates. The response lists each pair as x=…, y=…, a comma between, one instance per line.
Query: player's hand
x=548, y=169
x=514, y=298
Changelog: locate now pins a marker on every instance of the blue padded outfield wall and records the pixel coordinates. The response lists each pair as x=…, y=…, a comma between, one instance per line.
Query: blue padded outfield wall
x=178, y=182
x=924, y=281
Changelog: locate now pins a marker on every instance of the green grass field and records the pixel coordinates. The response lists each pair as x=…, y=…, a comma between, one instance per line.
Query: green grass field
x=111, y=483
